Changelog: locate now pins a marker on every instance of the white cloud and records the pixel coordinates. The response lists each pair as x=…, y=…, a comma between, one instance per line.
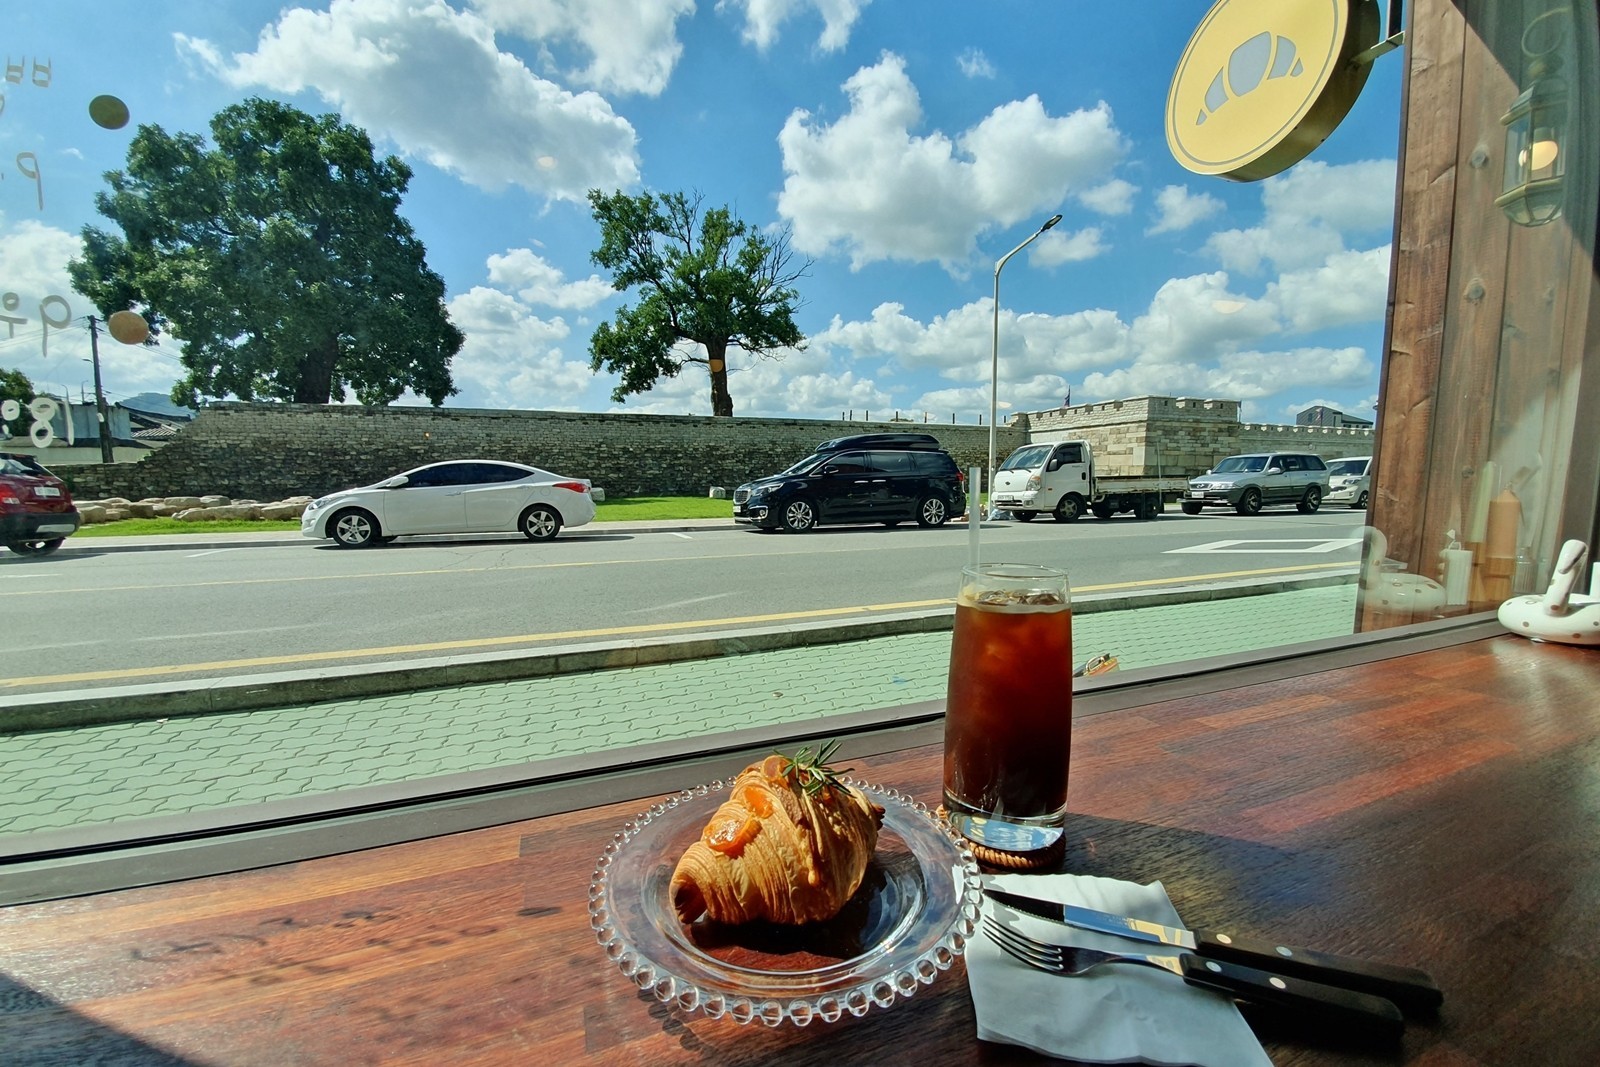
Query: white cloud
x=632, y=46
x=55, y=358
x=1351, y=197
x=764, y=18
x=512, y=358
x=871, y=187
x=1178, y=209
x=1240, y=376
x=1115, y=197
x=974, y=64
x=1056, y=247
x=430, y=79
x=1196, y=337
x=1194, y=318
x=958, y=345
x=1349, y=287
x=1310, y=211
x=536, y=281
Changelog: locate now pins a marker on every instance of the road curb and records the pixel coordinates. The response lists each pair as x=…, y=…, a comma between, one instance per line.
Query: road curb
x=161, y=700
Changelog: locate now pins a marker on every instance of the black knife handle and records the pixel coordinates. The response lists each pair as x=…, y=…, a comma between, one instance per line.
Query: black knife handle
x=1408, y=987
x=1344, y=1008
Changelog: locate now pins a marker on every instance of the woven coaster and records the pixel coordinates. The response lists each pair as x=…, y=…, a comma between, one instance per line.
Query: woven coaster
x=1009, y=861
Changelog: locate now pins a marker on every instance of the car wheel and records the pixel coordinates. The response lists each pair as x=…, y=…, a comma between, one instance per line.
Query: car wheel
x=1148, y=510
x=1311, y=501
x=799, y=516
x=35, y=547
x=1250, y=503
x=933, y=511
x=354, y=528
x=539, y=522
x=1024, y=516
x=1068, y=508
x=1361, y=501
x=1101, y=511
x=1192, y=509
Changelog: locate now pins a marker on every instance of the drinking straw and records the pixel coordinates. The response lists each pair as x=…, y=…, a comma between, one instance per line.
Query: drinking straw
x=974, y=512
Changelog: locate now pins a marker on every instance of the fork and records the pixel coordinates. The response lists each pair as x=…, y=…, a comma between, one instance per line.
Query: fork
x=1327, y=1003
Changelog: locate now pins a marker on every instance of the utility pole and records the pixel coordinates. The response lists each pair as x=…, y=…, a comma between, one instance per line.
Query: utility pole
x=99, y=395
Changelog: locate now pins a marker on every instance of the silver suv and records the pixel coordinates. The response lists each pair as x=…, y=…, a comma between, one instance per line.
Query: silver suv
x=1249, y=483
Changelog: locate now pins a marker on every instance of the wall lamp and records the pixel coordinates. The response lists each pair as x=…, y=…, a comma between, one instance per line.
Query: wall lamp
x=1536, y=134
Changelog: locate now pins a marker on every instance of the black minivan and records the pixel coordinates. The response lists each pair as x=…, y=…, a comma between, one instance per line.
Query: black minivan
x=874, y=477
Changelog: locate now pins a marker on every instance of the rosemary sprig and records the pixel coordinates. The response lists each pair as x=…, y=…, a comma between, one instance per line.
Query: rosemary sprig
x=812, y=770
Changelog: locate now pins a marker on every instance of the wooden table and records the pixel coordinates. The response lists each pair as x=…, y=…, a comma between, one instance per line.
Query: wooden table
x=1441, y=809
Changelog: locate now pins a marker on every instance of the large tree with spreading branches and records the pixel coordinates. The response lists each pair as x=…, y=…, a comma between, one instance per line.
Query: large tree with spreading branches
x=278, y=257
x=707, y=281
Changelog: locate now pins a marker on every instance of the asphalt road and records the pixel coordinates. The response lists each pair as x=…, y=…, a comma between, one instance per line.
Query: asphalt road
x=82, y=619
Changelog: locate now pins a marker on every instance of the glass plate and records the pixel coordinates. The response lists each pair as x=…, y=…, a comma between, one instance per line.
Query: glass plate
x=916, y=908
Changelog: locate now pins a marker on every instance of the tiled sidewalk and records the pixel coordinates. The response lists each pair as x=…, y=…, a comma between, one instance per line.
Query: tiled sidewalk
x=95, y=775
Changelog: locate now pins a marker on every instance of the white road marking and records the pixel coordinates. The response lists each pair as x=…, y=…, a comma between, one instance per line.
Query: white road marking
x=681, y=603
x=1309, y=545
x=685, y=536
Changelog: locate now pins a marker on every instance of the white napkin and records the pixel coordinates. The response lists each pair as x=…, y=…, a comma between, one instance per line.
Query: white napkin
x=1122, y=1013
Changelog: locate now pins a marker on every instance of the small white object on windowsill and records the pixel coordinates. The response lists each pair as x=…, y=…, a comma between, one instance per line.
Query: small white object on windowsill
x=1560, y=614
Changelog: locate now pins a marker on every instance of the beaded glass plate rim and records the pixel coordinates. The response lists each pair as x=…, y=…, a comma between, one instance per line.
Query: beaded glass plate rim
x=879, y=991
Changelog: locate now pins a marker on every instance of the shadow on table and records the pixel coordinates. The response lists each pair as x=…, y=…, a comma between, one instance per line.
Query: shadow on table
x=37, y=1031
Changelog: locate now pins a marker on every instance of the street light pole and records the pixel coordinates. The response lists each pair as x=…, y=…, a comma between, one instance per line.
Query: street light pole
x=994, y=352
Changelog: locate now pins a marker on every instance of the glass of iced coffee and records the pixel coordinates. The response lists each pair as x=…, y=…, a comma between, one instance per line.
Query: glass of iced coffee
x=1008, y=713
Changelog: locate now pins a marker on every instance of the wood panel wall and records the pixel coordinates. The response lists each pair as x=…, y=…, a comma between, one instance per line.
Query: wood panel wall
x=1492, y=325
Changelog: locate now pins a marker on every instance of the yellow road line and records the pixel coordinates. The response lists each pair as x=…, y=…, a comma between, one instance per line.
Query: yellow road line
x=433, y=647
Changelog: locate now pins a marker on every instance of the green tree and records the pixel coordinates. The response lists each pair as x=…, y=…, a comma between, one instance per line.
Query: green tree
x=709, y=279
x=279, y=259
x=14, y=385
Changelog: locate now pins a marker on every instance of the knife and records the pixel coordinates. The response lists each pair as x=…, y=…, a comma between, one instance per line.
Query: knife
x=1411, y=989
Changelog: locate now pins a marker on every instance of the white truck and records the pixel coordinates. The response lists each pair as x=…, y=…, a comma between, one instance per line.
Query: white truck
x=1058, y=478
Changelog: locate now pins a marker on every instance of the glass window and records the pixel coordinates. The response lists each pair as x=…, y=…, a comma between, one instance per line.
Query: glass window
x=1488, y=366
x=427, y=477
x=1027, y=458
x=847, y=463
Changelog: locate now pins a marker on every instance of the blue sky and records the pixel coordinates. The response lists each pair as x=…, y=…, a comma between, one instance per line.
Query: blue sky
x=908, y=144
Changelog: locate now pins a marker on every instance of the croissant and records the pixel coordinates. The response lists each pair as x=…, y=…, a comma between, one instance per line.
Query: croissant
x=785, y=847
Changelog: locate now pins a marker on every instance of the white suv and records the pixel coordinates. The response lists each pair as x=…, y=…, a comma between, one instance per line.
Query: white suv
x=1349, y=481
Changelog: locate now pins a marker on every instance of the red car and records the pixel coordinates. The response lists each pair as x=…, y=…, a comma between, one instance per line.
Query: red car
x=36, y=509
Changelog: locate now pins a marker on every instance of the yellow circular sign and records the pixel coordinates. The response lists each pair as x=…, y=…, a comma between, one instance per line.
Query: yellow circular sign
x=1264, y=82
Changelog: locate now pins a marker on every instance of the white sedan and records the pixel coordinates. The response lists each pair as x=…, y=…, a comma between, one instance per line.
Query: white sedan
x=460, y=496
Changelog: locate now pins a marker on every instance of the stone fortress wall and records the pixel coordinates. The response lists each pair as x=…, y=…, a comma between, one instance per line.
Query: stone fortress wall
x=274, y=451
x=1179, y=437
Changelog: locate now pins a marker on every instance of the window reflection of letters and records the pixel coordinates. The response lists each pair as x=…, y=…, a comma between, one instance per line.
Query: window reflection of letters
x=24, y=160
x=41, y=72
x=60, y=321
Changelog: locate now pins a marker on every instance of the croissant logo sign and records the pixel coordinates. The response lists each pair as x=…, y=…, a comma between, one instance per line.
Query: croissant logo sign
x=1264, y=82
